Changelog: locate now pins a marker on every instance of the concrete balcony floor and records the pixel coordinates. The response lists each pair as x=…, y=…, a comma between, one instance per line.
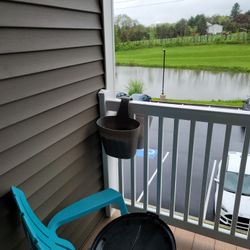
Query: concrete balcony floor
x=185, y=240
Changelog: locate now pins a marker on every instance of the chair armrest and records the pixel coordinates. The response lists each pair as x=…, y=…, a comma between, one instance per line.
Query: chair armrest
x=87, y=205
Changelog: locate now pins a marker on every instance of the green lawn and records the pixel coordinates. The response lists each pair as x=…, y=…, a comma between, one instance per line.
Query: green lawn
x=221, y=103
x=224, y=57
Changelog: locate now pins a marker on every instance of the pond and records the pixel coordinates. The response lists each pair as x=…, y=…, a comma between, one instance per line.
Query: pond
x=186, y=84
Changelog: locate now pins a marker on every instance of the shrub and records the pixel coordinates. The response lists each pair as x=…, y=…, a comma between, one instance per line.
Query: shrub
x=135, y=87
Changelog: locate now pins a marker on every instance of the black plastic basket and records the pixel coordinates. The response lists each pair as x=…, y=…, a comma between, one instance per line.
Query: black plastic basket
x=120, y=133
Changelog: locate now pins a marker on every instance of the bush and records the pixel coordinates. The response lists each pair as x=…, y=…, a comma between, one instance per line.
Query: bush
x=135, y=87
x=235, y=38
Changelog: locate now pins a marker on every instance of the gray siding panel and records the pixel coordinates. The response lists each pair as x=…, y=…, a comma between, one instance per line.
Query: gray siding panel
x=51, y=69
x=80, y=5
x=25, y=150
x=33, y=16
x=28, y=128
x=29, y=85
x=39, y=199
x=61, y=194
x=41, y=178
x=79, y=192
x=37, y=104
x=13, y=65
x=24, y=171
x=25, y=40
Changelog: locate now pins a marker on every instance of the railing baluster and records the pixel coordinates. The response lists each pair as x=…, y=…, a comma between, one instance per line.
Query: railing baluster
x=240, y=180
x=159, y=165
x=222, y=175
x=248, y=236
x=120, y=172
x=189, y=169
x=145, y=163
x=174, y=167
x=205, y=172
x=133, y=181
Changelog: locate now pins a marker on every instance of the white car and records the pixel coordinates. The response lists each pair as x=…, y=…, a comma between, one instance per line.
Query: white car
x=230, y=187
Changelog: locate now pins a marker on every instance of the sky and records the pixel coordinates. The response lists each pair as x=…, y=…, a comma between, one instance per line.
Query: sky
x=150, y=12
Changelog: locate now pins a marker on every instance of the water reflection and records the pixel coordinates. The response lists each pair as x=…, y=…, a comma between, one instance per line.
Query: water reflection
x=186, y=84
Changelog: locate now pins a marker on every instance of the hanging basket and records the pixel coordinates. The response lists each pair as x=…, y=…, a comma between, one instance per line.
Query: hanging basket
x=119, y=134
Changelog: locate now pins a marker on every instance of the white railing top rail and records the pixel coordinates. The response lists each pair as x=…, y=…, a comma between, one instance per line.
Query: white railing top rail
x=185, y=112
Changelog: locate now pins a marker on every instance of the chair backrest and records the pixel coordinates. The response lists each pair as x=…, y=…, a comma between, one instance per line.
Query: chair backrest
x=40, y=237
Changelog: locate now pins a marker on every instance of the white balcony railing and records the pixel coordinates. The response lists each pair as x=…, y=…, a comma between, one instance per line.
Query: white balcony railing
x=212, y=117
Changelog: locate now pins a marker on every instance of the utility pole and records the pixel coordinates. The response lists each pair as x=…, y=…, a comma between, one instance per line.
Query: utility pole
x=163, y=96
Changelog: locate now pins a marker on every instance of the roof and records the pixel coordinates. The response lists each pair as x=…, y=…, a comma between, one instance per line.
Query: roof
x=234, y=159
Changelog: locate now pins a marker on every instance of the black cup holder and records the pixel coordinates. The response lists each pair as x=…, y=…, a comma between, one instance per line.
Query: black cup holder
x=119, y=134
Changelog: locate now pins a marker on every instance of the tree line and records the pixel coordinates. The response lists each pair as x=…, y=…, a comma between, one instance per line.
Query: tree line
x=128, y=29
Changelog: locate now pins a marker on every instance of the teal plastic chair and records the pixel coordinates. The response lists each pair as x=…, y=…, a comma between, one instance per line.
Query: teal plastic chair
x=45, y=238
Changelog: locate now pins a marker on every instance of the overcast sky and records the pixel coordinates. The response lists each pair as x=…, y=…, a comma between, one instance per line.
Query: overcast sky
x=159, y=11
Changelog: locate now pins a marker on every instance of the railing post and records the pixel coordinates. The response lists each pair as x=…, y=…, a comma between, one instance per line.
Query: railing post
x=222, y=176
x=243, y=164
x=174, y=168
x=205, y=172
x=145, y=163
x=189, y=169
x=159, y=165
x=110, y=164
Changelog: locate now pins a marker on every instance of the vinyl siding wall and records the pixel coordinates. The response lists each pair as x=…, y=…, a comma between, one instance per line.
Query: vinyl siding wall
x=51, y=68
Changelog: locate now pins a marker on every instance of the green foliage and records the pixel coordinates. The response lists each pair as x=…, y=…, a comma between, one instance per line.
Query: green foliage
x=135, y=87
x=221, y=103
x=182, y=28
x=201, y=24
x=235, y=10
x=128, y=29
x=215, y=57
x=225, y=38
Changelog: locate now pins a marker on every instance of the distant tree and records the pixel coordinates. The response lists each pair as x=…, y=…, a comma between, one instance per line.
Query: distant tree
x=215, y=19
x=201, y=24
x=152, y=32
x=248, y=13
x=191, y=22
x=165, y=30
x=125, y=21
x=161, y=31
x=181, y=27
x=242, y=19
x=235, y=10
x=242, y=22
x=128, y=29
x=193, y=30
x=227, y=23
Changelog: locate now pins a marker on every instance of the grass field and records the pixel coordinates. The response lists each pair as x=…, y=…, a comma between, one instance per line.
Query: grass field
x=221, y=103
x=221, y=57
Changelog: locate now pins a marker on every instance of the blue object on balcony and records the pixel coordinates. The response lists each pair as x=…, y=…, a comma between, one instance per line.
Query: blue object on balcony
x=45, y=238
x=141, y=97
x=152, y=153
x=121, y=94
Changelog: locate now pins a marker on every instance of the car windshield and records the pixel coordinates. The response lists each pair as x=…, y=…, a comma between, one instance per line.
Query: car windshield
x=231, y=179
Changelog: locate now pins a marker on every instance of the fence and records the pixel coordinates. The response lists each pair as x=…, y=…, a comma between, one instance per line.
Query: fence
x=193, y=115
x=235, y=38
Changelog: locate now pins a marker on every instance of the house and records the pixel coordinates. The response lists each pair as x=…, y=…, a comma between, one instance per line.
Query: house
x=214, y=29
x=55, y=57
